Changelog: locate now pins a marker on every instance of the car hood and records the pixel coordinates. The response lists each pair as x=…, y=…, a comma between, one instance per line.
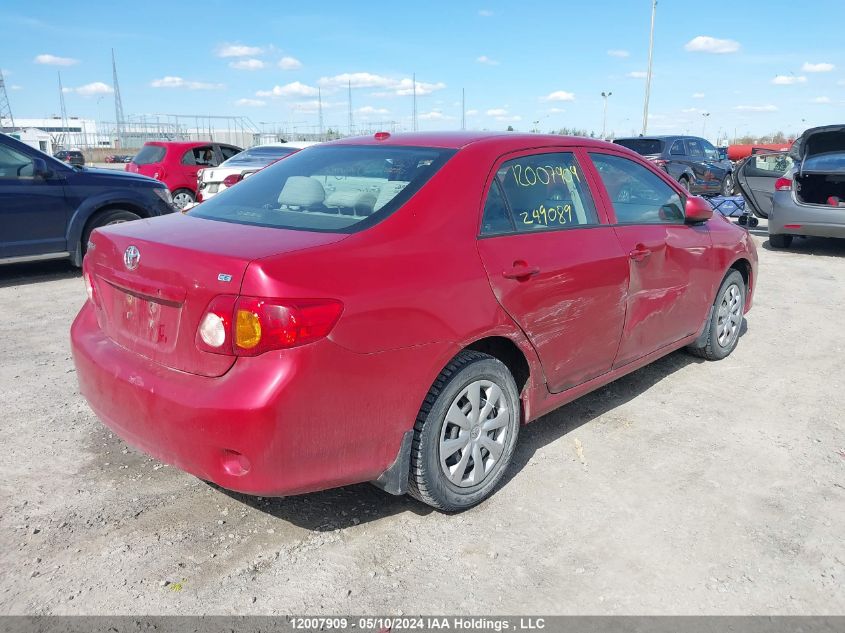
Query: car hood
x=116, y=176
x=818, y=140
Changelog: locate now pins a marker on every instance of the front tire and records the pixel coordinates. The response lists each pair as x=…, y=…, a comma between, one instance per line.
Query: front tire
x=723, y=330
x=465, y=433
x=684, y=182
x=780, y=241
x=728, y=185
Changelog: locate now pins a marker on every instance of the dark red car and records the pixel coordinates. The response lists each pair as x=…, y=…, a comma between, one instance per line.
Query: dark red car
x=392, y=309
x=176, y=164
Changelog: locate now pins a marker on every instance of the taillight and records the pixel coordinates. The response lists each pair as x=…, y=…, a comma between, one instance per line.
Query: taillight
x=249, y=326
x=783, y=184
x=660, y=162
x=89, y=287
x=232, y=179
x=159, y=173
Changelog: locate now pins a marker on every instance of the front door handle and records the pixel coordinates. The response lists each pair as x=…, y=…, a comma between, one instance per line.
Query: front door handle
x=639, y=253
x=521, y=271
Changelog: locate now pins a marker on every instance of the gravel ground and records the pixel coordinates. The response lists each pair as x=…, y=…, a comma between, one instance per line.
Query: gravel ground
x=685, y=488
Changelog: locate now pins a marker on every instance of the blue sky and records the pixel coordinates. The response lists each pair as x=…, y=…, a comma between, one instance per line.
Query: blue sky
x=755, y=67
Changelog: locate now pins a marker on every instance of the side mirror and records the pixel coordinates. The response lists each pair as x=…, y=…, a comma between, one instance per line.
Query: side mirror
x=40, y=169
x=697, y=210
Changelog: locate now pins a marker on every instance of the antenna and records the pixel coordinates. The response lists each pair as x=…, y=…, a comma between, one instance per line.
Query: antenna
x=118, y=104
x=5, y=108
x=351, y=122
x=414, y=87
x=63, y=137
x=320, y=111
x=463, y=109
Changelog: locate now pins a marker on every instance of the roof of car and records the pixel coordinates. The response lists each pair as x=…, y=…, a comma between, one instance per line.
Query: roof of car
x=457, y=140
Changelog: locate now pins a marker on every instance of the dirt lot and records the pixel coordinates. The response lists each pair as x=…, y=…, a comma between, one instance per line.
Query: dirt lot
x=687, y=487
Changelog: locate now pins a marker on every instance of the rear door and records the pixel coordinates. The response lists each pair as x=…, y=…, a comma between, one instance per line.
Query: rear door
x=670, y=267
x=554, y=263
x=33, y=210
x=195, y=159
x=756, y=177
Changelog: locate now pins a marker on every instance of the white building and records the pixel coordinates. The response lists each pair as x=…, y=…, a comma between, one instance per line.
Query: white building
x=36, y=138
x=78, y=134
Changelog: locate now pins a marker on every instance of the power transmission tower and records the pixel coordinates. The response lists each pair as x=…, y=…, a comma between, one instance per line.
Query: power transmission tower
x=5, y=108
x=414, y=88
x=351, y=122
x=118, y=104
x=64, y=136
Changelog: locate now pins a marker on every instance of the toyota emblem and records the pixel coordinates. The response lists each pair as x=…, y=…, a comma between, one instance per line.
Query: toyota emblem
x=131, y=257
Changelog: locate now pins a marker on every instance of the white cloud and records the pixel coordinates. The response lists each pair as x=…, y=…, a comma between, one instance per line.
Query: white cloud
x=170, y=81
x=472, y=112
x=313, y=105
x=497, y=112
x=483, y=59
x=53, y=60
x=707, y=44
x=366, y=110
x=237, y=50
x=247, y=64
x=294, y=89
x=509, y=119
x=821, y=100
x=95, y=88
x=692, y=110
x=618, y=52
x=393, y=87
x=637, y=74
x=15, y=87
x=559, y=95
x=434, y=115
x=289, y=63
x=697, y=95
x=821, y=67
x=555, y=110
x=752, y=108
x=485, y=13
x=250, y=102
x=788, y=80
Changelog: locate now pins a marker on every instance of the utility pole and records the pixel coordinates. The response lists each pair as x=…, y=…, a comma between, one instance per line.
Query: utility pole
x=118, y=104
x=351, y=122
x=463, y=109
x=414, y=116
x=648, y=74
x=5, y=108
x=63, y=111
x=320, y=111
x=605, y=95
x=704, y=125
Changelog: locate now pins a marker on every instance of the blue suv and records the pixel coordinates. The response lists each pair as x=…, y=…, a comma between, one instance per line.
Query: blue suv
x=49, y=208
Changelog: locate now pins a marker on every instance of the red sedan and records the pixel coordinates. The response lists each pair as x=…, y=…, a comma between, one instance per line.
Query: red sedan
x=392, y=309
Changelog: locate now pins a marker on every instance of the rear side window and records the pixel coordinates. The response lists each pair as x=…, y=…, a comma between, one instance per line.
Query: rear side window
x=677, y=148
x=336, y=189
x=149, y=154
x=639, y=196
x=768, y=165
x=695, y=148
x=547, y=191
x=496, y=218
x=642, y=146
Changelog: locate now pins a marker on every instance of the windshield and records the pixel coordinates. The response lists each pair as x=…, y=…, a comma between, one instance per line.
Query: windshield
x=149, y=154
x=258, y=156
x=642, y=146
x=337, y=189
x=830, y=161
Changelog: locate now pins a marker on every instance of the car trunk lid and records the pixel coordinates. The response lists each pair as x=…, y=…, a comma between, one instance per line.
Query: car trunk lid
x=151, y=298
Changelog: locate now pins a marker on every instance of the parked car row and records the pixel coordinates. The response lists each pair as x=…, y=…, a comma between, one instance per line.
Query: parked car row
x=118, y=158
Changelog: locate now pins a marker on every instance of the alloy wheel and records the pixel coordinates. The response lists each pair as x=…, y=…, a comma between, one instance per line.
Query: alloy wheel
x=729, y=316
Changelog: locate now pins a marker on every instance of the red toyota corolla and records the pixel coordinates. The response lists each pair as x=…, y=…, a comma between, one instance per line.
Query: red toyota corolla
x=392, y=309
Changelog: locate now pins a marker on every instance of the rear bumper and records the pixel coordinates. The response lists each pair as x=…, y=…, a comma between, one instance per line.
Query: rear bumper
x=790, y=217
x=278, y=424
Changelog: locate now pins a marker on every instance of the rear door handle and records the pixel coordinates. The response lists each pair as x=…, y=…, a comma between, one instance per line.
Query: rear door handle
x=639, y=253
x=521, y=272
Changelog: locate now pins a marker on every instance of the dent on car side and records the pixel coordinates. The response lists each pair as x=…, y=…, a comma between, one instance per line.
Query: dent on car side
x=415, y=291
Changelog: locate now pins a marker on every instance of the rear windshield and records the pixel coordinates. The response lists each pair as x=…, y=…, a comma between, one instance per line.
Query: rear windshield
x=335, y=189
x=643, y=146
x=149, y=154
x=831, y=161
x=258, y=156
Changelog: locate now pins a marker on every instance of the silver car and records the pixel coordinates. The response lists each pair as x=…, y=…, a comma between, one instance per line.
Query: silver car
x=801, y=192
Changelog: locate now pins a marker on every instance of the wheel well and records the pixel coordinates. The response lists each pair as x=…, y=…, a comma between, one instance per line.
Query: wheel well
x=744, y=268
x=506, y=351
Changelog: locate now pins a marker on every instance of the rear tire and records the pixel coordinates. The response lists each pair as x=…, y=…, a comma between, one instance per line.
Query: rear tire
x=183, y=197
x=722, y=334
x=465, y=433
x=106, y=218
x=780, y=241
x=728, y=185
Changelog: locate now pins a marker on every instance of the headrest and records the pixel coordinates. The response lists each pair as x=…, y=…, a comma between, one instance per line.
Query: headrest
x=301, y=191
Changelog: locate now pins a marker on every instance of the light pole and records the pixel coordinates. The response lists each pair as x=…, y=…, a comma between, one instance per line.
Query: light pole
x=648, y=74
x=704, y=125
x=605, y=95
